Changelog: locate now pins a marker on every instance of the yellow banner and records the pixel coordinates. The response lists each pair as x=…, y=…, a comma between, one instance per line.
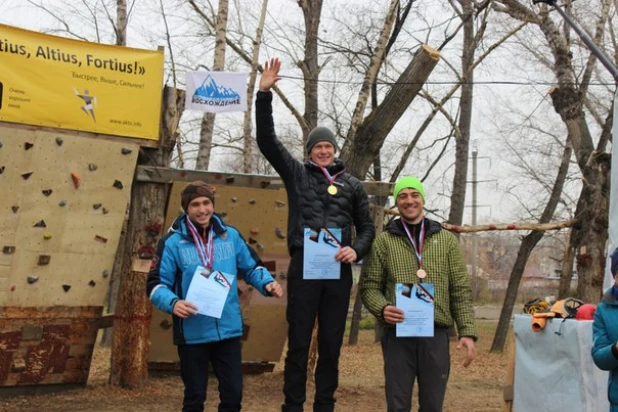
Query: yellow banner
x=71, y=84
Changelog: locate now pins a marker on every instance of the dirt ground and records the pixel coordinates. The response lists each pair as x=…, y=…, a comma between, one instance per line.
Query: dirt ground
x=477, y=388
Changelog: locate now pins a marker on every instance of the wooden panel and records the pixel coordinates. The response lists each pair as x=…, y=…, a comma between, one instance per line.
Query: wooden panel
x=43, y=345
x=265, y=330
x=43, y=212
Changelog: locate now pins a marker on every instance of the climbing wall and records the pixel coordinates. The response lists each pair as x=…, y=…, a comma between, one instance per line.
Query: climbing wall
x=260, y=214
x=62, y=208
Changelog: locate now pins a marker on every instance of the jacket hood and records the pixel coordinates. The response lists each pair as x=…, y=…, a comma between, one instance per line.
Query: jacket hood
x=609, y=297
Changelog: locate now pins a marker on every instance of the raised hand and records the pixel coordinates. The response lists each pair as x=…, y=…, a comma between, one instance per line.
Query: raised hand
x=270, y=75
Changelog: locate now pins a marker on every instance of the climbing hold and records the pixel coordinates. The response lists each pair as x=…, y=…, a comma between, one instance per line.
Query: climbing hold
x=125, y=151
x=100, y=239
x=105, y=273
x=77, y=180
x=62, y=203
x=252, y=201
x=96, y=206
x=280, y=203
x=118, y=184
x=32, y=279
x=165, y=324
x=66, y=287
x=252, y=241
x=105, y=211
x=44, y=260
x=234, y=199
x=255, y=230
x=1, y=169
x=14, y=209
x=47, y=236
x=92, y=167
x=47, y=192
x=28, y=145
x=26, y=176
x=59, y=141
x=279, y=233
x=92, y=283
x=40, y=223
x=8, y=250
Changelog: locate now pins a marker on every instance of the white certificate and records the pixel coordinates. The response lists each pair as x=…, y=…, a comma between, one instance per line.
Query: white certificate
x=208, y=291
x=417, y=304
x=321, y=246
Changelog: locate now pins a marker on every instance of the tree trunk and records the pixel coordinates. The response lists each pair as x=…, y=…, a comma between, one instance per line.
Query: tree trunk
x=248, y=140
x=372, y=133
x=567, y=269
x=121, y=22
x=526, y=247
x=312, y=10
x=377, y=57
x=462, y=143
x=208, y=120
x=131, y=337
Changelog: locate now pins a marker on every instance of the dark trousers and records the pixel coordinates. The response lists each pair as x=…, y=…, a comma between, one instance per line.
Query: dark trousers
x=226, y=359
x=328, y=300
x=406, y=359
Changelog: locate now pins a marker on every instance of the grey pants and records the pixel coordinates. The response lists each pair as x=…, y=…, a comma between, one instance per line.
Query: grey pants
x=406, y=359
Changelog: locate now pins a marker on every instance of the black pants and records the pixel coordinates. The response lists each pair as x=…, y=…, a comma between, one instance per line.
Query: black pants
x=406, y=359
x=226, y=359
x=328, y=300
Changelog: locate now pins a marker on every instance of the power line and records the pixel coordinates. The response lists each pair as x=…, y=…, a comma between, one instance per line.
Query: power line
x=452, y=83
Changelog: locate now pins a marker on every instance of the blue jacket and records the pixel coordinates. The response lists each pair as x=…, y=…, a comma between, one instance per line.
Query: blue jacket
x=175, y=262
x=604, y=338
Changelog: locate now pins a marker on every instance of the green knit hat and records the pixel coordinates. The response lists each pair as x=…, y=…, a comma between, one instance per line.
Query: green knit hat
x=411, y=182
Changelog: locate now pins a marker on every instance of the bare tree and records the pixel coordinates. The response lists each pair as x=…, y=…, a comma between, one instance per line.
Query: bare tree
x=248, y=139
x=208, y=121
x=569, y=101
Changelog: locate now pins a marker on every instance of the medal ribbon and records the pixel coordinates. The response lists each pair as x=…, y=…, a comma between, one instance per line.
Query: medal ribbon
x=329, y=177
x=204, y=254
x=418, y=250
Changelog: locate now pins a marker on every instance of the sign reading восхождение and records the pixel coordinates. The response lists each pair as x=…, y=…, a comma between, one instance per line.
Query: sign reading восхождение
x=70, y=84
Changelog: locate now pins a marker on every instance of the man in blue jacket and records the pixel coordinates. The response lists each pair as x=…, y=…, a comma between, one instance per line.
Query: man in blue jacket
x=605, y=335
x=200, y=244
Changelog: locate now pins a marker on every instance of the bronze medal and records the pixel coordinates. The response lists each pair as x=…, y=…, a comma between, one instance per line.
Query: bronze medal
x=332, y=190
x=421, y=274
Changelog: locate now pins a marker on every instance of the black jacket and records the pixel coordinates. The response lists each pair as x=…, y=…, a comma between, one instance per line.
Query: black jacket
x=309, y=204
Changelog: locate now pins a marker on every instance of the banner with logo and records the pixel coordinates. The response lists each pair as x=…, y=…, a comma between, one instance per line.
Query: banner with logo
x=70, y=84
x=216, y=91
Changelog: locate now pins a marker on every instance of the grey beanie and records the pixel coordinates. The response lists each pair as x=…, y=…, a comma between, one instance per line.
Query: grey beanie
x=320, y=134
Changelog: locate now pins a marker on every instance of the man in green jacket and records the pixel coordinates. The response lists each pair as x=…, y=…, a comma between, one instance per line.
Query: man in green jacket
x=415, y=253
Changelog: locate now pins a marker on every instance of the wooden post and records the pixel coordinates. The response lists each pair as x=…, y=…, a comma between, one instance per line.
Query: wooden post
x=131, y=337
x=508, y=391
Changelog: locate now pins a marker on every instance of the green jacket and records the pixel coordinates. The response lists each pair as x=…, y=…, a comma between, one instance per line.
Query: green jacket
x=392, y=260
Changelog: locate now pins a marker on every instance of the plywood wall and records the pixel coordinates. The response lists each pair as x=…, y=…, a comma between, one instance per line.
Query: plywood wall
x=62, y=205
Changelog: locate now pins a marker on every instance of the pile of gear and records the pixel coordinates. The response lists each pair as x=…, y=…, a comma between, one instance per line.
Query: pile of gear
x=569, y=308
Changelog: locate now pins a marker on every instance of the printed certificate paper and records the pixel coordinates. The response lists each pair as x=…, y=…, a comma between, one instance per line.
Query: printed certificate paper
x=208, y=291
x=416, y=301
x=321, y=246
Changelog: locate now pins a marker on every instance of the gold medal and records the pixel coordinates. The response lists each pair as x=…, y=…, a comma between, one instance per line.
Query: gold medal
x=421, y=274
x=332, y=190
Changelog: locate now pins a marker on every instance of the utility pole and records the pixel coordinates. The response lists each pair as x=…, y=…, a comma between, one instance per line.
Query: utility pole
x=474, y=206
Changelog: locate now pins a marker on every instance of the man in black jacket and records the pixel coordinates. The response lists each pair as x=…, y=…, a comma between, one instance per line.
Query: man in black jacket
x=321, y=196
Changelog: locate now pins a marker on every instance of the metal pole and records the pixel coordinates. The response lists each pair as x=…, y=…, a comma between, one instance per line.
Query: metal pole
x=474, y=206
